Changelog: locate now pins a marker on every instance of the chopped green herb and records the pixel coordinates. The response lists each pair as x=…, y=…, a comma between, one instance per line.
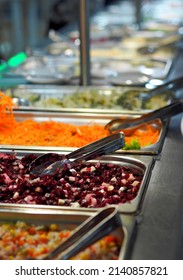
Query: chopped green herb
x=134, y=145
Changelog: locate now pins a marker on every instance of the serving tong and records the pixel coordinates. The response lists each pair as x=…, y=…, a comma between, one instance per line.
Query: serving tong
x=171, y=85
x=164, y=42
x=50, y=163
x=163, y=113
x=92, y=230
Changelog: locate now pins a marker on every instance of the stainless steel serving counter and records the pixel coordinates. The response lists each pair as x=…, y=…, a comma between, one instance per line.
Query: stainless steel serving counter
x=160, y=223
x=159, y=233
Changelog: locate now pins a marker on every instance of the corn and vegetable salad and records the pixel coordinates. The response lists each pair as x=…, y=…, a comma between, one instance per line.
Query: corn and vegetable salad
x=20, y=241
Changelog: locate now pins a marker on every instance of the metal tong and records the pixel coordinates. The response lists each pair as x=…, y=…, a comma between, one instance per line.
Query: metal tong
x=90, y=231
x=164, y=42
x=171, y=85
x=43, y=166
x=163, y=113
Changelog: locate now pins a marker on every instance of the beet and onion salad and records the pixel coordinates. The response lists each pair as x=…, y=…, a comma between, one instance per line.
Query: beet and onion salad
x=88, y=184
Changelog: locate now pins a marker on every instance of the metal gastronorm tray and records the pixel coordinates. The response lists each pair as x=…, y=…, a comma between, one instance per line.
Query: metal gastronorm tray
x=69, y=220
x=80, y=119
x=142, y=163
x=104, y=98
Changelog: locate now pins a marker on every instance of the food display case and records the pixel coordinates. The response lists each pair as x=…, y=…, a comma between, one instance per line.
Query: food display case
x=152, y=217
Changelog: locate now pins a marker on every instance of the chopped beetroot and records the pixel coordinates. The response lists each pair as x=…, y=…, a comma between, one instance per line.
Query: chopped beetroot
x=90, y=185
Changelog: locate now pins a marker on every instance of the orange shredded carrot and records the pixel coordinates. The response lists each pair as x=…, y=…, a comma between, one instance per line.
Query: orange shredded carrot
x=51, y=133
x=146, y=135
x=6, y=112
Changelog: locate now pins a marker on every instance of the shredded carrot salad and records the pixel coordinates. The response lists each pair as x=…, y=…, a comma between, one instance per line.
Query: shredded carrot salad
x=52, y=133
x=6, y=113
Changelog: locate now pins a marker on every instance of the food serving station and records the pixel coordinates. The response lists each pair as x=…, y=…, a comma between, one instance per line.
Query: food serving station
x=50, y=112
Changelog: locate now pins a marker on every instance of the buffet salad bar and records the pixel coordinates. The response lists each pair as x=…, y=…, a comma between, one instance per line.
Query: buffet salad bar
x=49, y=122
